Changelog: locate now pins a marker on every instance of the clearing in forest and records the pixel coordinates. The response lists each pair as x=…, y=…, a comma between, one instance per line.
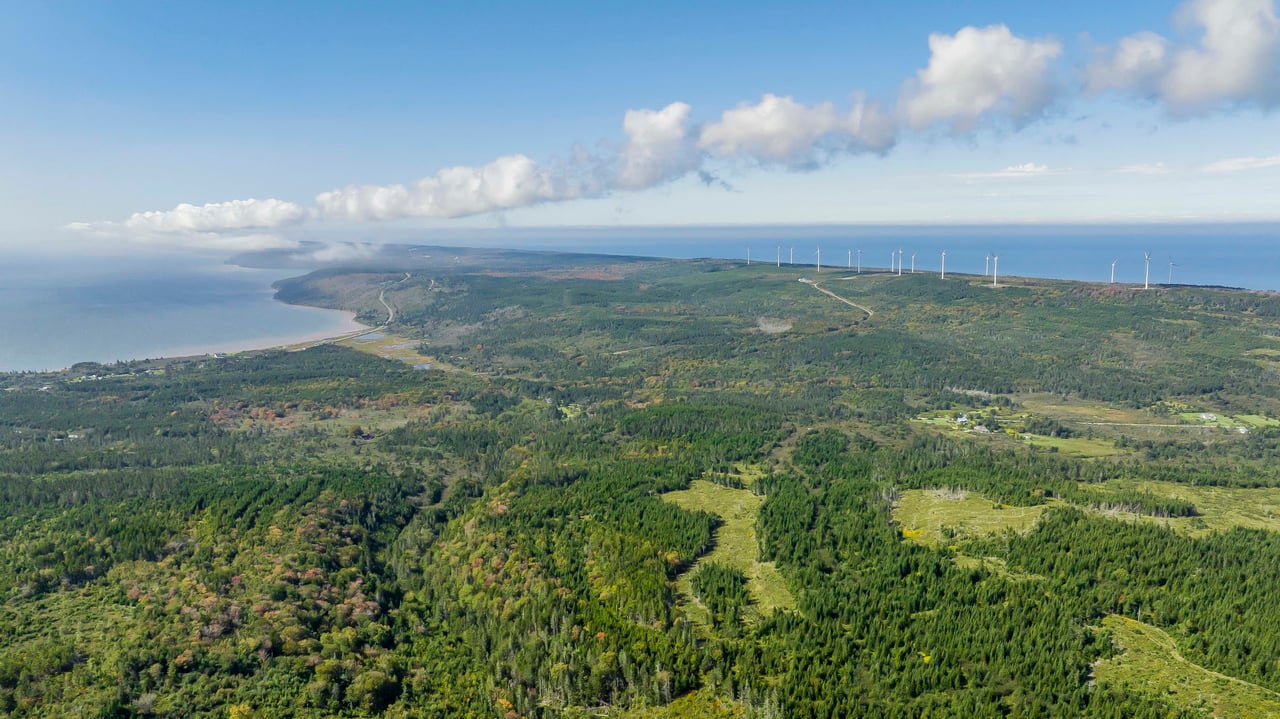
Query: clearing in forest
x=937, y=516
x=735, y=546
x=393, y=347
x=1220, y=508
x=1151, y=664
x=700, y=704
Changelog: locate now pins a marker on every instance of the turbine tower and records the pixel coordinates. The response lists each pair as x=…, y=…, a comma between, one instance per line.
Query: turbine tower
x=819, y=254
x=1171, y=266
x=850, y=260
x=1146, y=278
x=986, y=266
x=944, y=265
x=899, y=261
x=1113, y=270
x=748, y=255
x=779, y=255
x=913, y=263
x=995, y=270
x=893, y=257
x=859, y=261
x=793, y=256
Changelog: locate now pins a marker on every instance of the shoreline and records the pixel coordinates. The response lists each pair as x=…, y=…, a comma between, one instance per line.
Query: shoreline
x=343, y=326
x=286, y=342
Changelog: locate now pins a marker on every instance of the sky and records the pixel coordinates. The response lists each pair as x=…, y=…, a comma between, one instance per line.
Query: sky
x=224, y=126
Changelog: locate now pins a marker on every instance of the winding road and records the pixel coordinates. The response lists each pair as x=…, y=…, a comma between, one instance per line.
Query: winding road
x=382, y=297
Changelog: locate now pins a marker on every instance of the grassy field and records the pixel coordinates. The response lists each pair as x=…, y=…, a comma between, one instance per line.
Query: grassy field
x=935, y=517
x=1082, y=411
x=393, y=347
x=1087, y=447
x=1221, y=508
x=1150, y=663
x=735, y=545
x=1211, y=419
x=1074, y=446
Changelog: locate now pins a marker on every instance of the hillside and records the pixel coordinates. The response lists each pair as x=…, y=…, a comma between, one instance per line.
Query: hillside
x=589, y=486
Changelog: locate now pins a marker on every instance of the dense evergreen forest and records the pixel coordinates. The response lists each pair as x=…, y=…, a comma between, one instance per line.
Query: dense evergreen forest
x=657, y=488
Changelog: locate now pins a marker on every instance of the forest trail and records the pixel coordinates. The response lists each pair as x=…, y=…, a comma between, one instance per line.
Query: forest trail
x=870, y=313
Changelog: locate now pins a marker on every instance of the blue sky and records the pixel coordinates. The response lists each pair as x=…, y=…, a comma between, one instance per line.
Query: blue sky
x=224, y=126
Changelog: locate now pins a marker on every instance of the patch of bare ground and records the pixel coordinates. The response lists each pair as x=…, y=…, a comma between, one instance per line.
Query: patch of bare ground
x=773, y=325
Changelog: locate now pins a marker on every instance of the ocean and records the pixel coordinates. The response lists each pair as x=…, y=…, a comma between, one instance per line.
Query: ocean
x=57, y=312
x=1228, y=255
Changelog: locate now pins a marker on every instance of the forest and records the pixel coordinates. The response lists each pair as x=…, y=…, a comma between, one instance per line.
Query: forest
x=524, y=498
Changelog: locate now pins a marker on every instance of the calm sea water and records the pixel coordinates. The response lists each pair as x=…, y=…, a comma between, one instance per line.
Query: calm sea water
x=56, y=312
x=1235, y=255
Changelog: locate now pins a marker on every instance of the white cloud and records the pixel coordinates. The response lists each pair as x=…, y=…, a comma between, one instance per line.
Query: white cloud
x=1238, y=57
x=1027, y=169
x=659, y=147
x=216, y=217
x=221, y=242
x=1235, y=59
x=237, y=225
x=781, y=130
x=337, y=252
x=507, y=182
x=1137, y=63
x=978, y=74
x=1238, y=164
x=1151, y=168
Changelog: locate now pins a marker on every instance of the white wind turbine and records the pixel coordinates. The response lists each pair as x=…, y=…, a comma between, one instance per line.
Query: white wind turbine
x=944, y=265
x=986, y=266
x=779, y=255
x=793, y=256
x=1113, y=270
x=995, y=270
x=748, y=255
x=913, y=263
x=819, y=254
x=1171, y=266
x=849, y=263
x=893, y=257
x=899, y=261
x=859, y=261
x=1146, y=278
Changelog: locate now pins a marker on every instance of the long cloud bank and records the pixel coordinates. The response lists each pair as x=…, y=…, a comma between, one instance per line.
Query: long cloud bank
x=979, y=77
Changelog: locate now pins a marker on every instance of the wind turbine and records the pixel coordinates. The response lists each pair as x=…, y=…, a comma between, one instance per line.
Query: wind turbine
x=899, y=261
x=1146, y=278
x=793, y=255
x=850, y=260
x=1171, y=266
x=779, y=255
x=893, y=257
x=1113, y=270
x=859, y=261
x=995, y=270
x=913, y=263
x=819, y=254
x=986, y=266
x=944, y=265
x=748, y=255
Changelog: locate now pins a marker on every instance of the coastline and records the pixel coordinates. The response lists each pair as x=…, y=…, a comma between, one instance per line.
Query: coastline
x=351, y=328
x=100, y=329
